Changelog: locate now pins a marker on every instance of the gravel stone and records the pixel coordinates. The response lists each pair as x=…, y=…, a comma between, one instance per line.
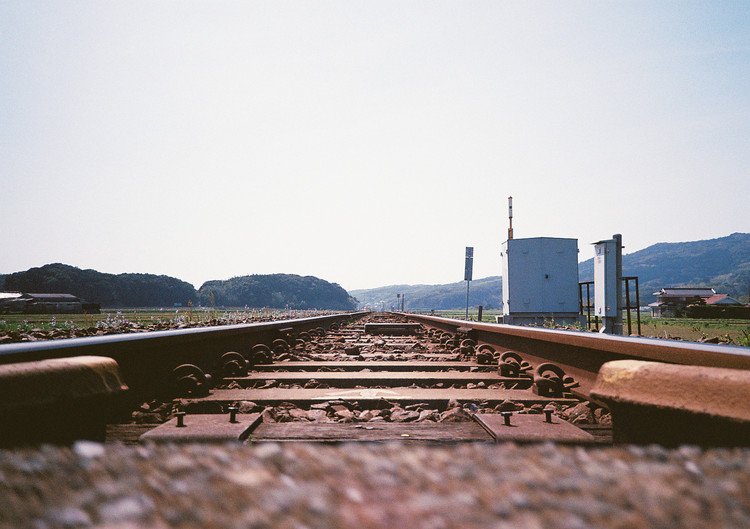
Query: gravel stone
x=247, y=406
x=69, y=517
x=388, y=485
x=88, y=449
x=126, y=509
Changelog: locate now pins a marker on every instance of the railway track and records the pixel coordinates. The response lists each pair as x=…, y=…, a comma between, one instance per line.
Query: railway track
x=374, y=377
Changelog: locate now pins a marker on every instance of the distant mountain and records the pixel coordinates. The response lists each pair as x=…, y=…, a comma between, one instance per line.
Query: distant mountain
x=109, y=290
x=723, y=264
x=276, y=291
x=485, y=292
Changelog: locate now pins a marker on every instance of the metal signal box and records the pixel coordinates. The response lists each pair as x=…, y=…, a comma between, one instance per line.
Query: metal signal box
x=540, y=280
x=605, y=279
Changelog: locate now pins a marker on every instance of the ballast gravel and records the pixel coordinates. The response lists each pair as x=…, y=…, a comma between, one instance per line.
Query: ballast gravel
x=308, y=486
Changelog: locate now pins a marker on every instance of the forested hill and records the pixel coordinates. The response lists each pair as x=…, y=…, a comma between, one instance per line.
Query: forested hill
x=722, y=264
x=149, y=290
x=109, y=290
x=276, y=291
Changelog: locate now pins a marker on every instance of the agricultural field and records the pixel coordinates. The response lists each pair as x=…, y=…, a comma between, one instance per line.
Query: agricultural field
x=32, y=327
x=735, y=332
x=29, y=327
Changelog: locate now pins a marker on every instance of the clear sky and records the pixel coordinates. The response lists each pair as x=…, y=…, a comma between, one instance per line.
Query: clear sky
x=366, y=143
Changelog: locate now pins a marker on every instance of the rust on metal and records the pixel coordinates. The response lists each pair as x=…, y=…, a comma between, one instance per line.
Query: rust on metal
x=369, y=432
x=532, y=428
x=48, y=382
x=388, y=378
x=581, y=354
x=385, y=365
x=58, y=400
x=204, y=428
x=675, y=404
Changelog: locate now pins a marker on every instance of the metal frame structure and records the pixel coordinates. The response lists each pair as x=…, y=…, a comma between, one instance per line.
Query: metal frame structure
x=585, y=310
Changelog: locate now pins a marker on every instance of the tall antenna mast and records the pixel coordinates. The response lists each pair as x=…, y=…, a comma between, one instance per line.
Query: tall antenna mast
x=510, y=217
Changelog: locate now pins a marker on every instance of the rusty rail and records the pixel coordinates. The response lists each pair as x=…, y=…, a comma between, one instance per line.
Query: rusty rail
x=146, y=358
x=581, y=354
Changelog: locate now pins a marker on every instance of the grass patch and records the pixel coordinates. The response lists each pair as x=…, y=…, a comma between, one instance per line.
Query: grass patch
x=114, y=318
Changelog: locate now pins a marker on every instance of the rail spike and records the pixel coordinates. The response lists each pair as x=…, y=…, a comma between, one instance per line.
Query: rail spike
x=486, y=355
x=234, y=364
x=551, y=381
x=280, y=346
x=191, y=381
x=512, y=365
x=468, y=346
x=260, y=354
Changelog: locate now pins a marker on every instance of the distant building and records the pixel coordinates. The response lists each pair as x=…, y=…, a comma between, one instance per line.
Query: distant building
x=672, y=302
x=29, y=303
x=722, y=299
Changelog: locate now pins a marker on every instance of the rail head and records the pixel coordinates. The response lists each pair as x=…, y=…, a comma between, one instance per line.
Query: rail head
x=28, y=351
x=652, y=349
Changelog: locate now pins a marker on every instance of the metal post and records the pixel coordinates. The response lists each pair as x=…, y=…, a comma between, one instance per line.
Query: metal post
x=467, y=300
x=638, y=303
x=479, y=313
x=580, y=299
x=468, y=271
x=617, y=323
x=588, y=307
x=627, y=304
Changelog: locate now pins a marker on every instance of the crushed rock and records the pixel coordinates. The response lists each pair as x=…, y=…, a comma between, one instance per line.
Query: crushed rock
x=374, y=486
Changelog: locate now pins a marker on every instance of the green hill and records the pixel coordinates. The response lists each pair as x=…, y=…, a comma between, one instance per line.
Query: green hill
x=149, y=290
x=276, y=291
x=109, y=290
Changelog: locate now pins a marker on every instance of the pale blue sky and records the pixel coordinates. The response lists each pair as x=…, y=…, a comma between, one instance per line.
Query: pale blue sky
x=364, y=142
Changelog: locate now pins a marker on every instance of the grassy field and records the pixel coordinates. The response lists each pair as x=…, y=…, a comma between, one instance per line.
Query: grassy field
x=736, y=332
x=109, y=318
x=732, y=331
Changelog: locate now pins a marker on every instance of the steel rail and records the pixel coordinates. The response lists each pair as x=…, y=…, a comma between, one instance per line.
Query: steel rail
x=146, y=358
x=581, y=354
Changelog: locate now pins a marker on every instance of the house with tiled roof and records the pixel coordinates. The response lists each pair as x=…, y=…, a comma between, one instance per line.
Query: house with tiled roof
x=722, y=299
x=672, y=302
